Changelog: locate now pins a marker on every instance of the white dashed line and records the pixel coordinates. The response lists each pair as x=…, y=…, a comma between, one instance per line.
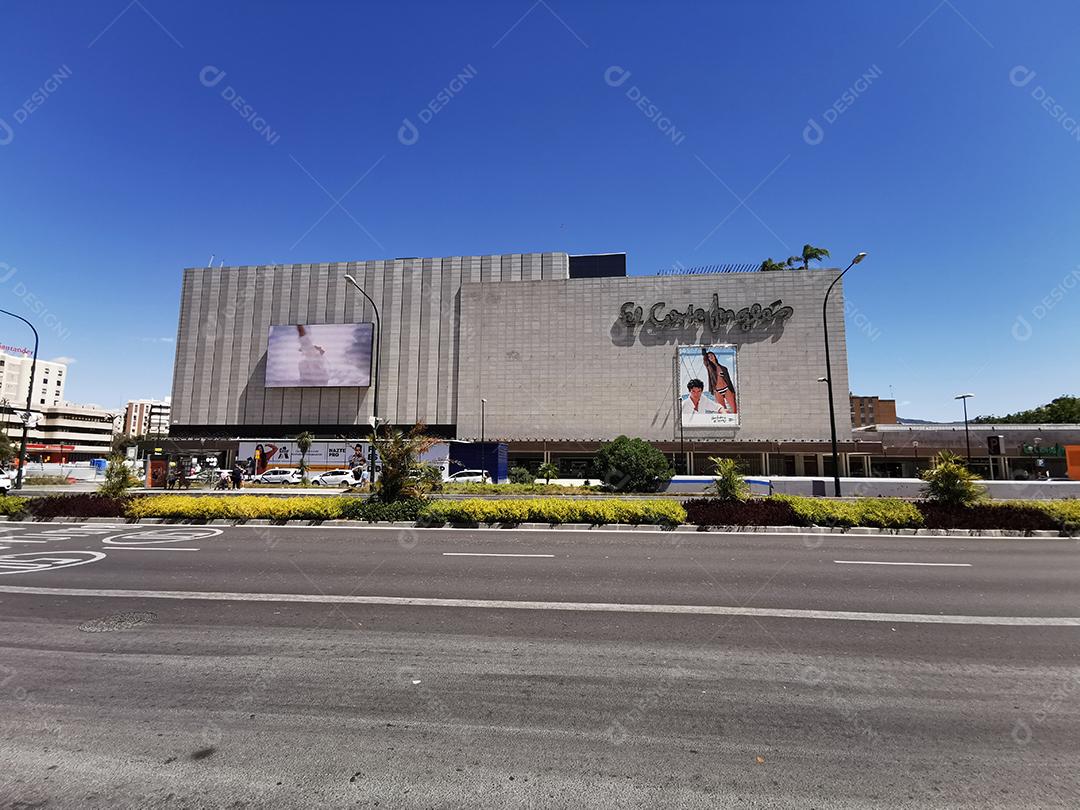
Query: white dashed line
x=872, y=562
x=488, y=554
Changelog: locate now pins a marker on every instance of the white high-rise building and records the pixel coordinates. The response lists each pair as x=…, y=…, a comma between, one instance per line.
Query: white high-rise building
x=49, y=379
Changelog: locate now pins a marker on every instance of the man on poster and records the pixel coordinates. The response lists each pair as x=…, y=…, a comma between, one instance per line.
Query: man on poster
x=696, y=404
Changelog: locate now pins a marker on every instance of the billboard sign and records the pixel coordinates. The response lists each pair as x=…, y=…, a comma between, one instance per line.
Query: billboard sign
x=324, y=455
x=319, y=355
x=708, y=386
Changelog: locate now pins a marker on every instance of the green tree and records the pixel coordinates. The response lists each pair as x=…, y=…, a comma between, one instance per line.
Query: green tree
x=1064, y=410
x=303, y=444
x=811, y=254
x=632, y=465
x=118, y=477
x=399, y=453
x=548, y=471
x=949, y=482
x=729, y=484
x=521, y=475
x=8, y=449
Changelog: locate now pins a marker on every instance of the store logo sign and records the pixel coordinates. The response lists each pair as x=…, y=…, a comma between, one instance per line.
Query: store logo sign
x=717, y=318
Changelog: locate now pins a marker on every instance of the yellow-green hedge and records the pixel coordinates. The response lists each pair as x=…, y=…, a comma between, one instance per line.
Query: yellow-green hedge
x=237, y=507
x=12, y=505
x=555, y=510
x=882, y=513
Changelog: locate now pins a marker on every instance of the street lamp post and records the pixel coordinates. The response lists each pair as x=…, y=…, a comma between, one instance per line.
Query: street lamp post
x=375, y=391
x=828, y=373
x=483, y=449
x=29, y=400
x=967, y=434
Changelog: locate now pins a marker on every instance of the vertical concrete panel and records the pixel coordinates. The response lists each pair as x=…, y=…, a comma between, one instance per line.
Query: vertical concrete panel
x=350, y=308
x=448, y=351
x=330, y=295
x=313, y=311
x=261, y=309
x=210, y=318
x=514, y=267
x=279, y=314
x=298, y=299
x=241, y=343
x=187, y=336
x=391, y=313
x=219, y=390
x=406, y=373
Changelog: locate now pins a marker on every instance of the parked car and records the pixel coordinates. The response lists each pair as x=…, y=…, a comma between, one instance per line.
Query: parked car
x=335, y=478
x=5, y=481
x=280, y=475
x=469, y=477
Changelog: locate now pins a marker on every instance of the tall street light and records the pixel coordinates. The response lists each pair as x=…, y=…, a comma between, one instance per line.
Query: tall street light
x=483, y=450
x=375, y=397
x=828, y=373
x=29, y=400
x=967, y=435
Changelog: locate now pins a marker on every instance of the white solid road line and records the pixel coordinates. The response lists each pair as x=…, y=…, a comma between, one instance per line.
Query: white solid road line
x=586, y=607
x=872, y=562
x=489, y=554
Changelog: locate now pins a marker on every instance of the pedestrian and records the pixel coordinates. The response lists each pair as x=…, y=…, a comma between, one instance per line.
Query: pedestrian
x=237, y=476
x=224, y=480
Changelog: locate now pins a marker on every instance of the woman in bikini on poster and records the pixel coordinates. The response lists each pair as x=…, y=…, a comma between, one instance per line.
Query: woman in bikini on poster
x=721, y=387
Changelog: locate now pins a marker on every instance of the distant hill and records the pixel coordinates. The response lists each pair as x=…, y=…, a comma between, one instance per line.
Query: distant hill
x=1064, y=410
x=901, y=420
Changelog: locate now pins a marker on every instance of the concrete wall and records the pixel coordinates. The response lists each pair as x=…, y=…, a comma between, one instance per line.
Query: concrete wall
x=555, y=362
x=225, y=315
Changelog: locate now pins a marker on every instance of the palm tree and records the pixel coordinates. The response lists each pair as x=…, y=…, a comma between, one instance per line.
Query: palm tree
x=811, y=254
x=548, y=471
x=769, y=265
x=303, y=444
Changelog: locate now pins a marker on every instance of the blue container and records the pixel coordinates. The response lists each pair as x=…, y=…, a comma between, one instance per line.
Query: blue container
x=488, y=456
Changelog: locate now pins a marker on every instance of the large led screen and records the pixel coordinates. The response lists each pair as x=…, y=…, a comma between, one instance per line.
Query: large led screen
x=319, y=355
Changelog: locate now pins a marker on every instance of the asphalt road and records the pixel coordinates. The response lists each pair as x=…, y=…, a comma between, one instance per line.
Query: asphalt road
x=280, y=667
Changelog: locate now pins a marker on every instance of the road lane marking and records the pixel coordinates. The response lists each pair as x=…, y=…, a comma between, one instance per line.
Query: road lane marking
x=17, y=540
x=584, y=607
x=155, y=548
x=489, y=554
x=35, y=561
x=872, y=562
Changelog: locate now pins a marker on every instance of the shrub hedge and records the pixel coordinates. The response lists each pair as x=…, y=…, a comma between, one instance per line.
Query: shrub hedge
x=13, y=505
x=555, y=510
x=79, y=504
x=887, y=513
x=466, y=488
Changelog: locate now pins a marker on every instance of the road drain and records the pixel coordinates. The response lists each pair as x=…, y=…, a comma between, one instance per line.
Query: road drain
x=119, y=621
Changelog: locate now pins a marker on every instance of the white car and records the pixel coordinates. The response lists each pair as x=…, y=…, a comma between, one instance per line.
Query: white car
x=469, y=477
x=5, y=482
x=335, y=478
x=280, y=475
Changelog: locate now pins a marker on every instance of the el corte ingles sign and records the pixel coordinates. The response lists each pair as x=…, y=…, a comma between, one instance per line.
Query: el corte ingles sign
x=716, y=317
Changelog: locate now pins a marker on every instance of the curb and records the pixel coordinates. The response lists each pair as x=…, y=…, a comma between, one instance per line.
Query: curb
x=608, y=527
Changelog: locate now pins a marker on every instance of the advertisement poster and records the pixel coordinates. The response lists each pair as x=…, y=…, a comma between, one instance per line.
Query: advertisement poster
x=267, y=454
x=708, y=386
x=319, y=355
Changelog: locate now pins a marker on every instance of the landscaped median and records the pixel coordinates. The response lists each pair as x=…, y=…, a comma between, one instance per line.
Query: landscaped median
x=887, y=514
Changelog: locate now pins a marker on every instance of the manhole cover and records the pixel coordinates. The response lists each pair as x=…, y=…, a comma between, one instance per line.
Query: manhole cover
x=119, y=621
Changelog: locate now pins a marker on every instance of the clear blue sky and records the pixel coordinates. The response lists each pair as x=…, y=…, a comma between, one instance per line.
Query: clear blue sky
x=944, y=166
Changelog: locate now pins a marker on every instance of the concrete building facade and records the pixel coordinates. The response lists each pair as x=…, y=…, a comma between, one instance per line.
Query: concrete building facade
x=146, y=417
x=568, y=352
x=49, y=380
